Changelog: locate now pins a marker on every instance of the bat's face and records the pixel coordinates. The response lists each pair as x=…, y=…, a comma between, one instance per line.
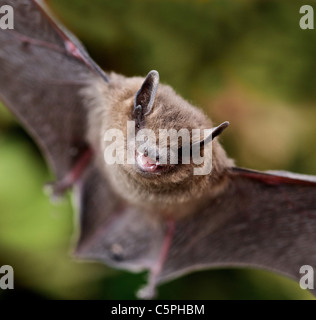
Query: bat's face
x=166, y=156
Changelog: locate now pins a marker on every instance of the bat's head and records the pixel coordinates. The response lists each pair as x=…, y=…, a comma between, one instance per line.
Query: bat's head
x=168, y=154
x=168, y=137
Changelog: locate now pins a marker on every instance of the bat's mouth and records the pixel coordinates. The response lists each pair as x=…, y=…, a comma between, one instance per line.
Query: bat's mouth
x=146, y=163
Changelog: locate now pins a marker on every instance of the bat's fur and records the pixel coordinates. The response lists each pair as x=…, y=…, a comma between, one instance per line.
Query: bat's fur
x=111, y=106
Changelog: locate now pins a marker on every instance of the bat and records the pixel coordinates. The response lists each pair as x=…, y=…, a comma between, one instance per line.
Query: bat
x=149, y=214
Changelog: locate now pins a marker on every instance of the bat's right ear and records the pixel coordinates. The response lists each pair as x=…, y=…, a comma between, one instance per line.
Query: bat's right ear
x=145, y=96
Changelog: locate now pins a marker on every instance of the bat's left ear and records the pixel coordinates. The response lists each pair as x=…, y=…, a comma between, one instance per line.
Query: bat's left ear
x=145, y=96
x=215, y=132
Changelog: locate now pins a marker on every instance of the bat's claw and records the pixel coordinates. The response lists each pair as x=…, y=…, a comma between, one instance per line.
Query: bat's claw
x=55, y=190
x=147, y=292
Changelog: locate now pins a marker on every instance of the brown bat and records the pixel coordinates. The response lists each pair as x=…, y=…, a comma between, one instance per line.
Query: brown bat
x=146, y=215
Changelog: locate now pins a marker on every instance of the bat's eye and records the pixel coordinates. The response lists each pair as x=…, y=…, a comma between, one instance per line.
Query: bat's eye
x=146, y=163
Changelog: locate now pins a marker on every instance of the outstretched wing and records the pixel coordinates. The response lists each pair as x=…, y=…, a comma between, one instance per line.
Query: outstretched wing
x=43, y=69
x=263, y=220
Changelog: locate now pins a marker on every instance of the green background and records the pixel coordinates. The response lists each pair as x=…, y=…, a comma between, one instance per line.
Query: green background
x=243, y=61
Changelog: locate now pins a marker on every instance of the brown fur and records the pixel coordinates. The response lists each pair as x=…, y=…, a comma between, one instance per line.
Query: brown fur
x=111, y=105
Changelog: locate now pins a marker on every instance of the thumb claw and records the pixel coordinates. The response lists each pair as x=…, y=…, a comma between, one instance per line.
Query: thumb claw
x=55, y=190
x=147, y=292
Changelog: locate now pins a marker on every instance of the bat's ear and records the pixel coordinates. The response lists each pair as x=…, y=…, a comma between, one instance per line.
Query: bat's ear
x=145, y=96
x=215, y=132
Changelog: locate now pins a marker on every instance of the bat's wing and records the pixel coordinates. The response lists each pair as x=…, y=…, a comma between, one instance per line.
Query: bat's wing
x=264, y=220
x=42, y=69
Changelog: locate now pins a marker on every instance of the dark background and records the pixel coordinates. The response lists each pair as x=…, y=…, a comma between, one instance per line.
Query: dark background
x=243, y=61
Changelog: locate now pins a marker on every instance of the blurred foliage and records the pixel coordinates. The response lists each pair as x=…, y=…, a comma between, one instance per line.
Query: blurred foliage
x=244, y=61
